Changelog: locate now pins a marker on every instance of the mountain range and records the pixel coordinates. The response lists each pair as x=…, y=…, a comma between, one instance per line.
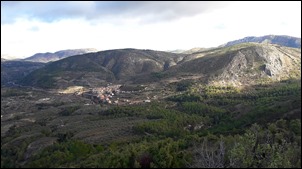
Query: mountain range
x=236, y=106
x=282, y=40
x=241, y=64
x=235, y=63
x=48, y=56
x=8, y=57
x=111, y=65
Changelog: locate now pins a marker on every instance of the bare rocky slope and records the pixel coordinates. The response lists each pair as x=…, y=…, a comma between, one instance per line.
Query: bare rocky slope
x=243, y=64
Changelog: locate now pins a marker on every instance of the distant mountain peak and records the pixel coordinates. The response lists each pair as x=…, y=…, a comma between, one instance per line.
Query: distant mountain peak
x=8, y=57
x=48, y=56
x=282, y=40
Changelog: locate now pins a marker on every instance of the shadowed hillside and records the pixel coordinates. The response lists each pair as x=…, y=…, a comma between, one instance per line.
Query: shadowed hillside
x=13, y=71
x=100, y=67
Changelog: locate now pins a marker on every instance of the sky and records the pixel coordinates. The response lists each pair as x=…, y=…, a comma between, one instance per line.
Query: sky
x=29, y=27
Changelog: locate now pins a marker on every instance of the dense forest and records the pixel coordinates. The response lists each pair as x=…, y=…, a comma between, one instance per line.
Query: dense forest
x=204, y=126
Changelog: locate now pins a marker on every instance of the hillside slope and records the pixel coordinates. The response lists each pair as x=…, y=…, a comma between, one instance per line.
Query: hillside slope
x=272, y=39
x=101, y=67
x=48, y=57
x=15, y=70
x=243, y=64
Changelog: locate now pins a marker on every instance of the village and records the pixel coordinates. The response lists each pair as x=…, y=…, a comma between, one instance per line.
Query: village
x=112, y=94
x=120, y=94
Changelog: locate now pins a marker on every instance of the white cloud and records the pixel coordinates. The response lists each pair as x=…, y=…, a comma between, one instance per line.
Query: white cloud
x=25, y=37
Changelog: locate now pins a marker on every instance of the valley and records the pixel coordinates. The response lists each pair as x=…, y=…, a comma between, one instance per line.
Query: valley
x=150, y=84
x=37, y=125
x=134, y=108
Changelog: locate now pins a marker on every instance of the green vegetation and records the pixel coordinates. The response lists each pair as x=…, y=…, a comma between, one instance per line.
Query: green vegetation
x=158, y=75
x=163, y=153
x=39, y=78
x=131, y=87
x=67, y=111
x=183, y=85
x=13, y=92
x=204, y=126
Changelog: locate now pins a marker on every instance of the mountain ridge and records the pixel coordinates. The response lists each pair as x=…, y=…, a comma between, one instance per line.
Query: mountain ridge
x=244, y=63
x=110, y=65
x=48, y=56
x=234, y=65
x=282, y=40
